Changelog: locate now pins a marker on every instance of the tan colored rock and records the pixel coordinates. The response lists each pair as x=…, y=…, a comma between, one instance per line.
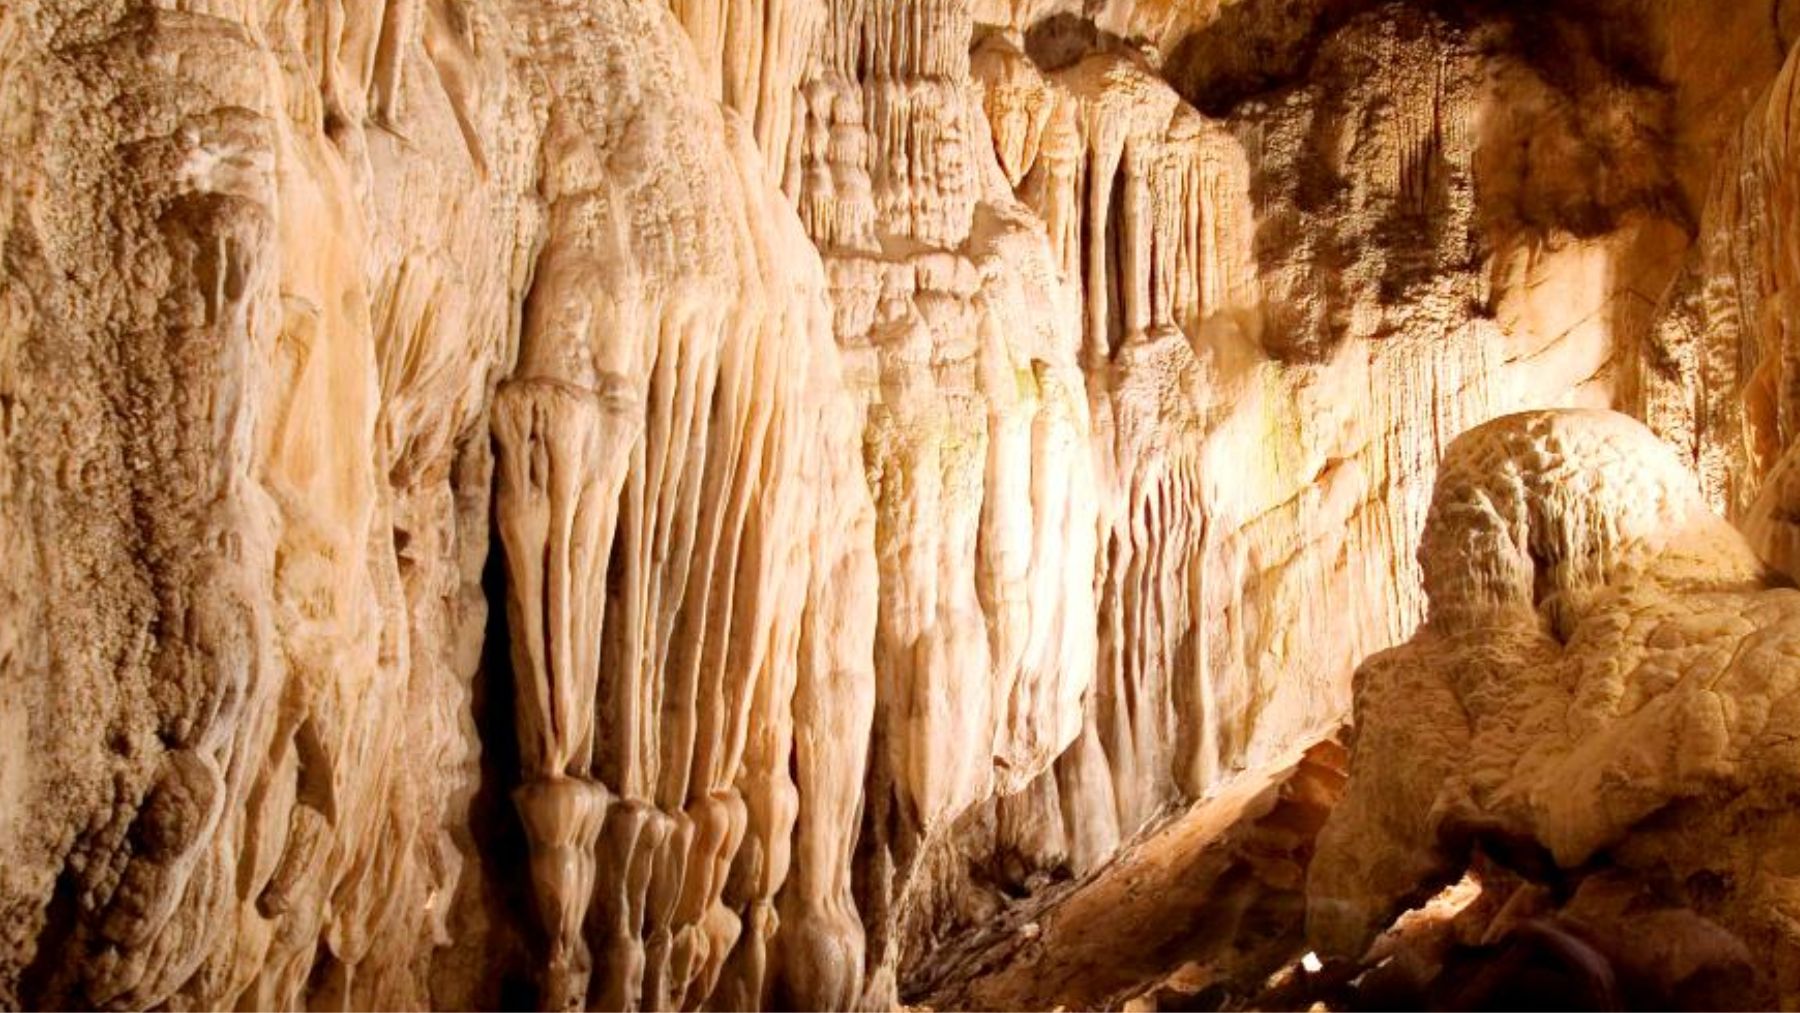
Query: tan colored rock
x=900, y=440
x=1600, y=678
x=1286, y=315
x=275, y=521
x=666, y=387
x=248, y=504
x=1716, y=378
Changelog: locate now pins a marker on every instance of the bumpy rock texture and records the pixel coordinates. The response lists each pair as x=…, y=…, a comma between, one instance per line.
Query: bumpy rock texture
x=1603, y=688
x=626, y=503
x=1591, y=723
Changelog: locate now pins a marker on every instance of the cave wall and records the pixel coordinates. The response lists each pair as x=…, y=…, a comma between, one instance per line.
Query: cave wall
x=629, y=503
x=1289, y=309
x=248, y=389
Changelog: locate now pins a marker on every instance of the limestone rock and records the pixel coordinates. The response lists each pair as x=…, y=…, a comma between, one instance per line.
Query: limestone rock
x=1600, y=686
x=254, y=521
x=1287, y=311
x=684, y=503
x=247, y=389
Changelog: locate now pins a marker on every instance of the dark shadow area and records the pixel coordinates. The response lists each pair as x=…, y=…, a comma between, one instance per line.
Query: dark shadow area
x=39, y=984
x=1254, y=47
x=1062, y=40
x=513, y=931
x=1590, y=139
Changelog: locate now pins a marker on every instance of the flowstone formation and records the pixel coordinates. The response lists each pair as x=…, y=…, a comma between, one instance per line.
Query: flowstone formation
x=699, y=503
x=676, y=637
x=246, y=388
x=377, y=275
x=1289, y=304
x=1598, y=703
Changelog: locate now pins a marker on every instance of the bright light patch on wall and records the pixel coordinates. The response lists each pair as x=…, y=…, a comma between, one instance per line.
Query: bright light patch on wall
x=1312, y=963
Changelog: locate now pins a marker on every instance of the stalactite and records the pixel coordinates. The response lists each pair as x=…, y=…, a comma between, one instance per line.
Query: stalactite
x=681, y=411
x=976, y=440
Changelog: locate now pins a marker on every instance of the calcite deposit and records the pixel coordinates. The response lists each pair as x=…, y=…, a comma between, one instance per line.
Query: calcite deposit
x=695, y=504
x=1600, y=695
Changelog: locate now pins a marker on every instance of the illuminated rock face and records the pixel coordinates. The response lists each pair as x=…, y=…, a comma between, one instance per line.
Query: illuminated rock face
x=1598, y=694
x=1605, y=677
x=325, y=292
x=621, y=503
x=261, y=280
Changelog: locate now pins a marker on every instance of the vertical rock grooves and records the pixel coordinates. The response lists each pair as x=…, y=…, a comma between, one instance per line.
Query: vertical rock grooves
x=1281, y=330
x=958, y=335
x=255, y=519
x=668, y=427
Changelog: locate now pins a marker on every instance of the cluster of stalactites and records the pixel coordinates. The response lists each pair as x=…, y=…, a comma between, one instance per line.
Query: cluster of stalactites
x=884, y=147
x=689, y=658
x=752, y=54
x=1108, y=139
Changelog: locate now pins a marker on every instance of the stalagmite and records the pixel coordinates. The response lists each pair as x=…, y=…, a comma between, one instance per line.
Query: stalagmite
x=1601, y=679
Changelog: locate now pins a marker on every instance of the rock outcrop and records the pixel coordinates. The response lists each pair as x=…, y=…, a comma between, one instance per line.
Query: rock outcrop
x=675, y=410
x=253, y=522
x=1287, y=311
x=1598, y=697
